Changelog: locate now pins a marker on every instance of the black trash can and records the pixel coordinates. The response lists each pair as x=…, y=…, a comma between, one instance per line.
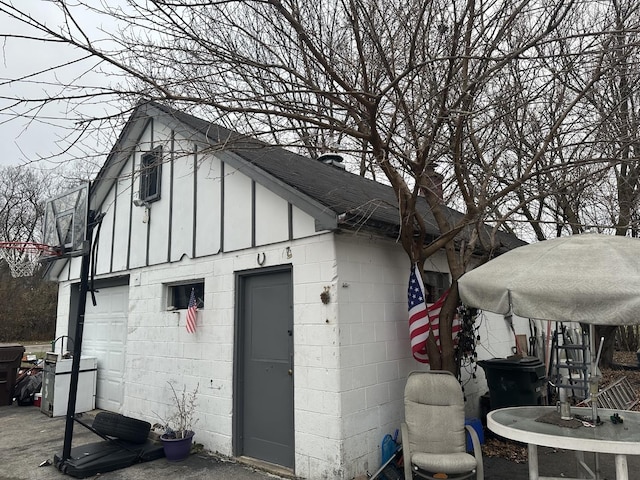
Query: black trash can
x=10, y=359
x=515, y=381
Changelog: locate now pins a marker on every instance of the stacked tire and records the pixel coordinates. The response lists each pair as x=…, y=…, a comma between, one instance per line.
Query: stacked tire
x=122, y=427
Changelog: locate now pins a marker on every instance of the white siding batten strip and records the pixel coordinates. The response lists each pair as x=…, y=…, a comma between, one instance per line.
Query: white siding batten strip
x=222, y=219
x=170, y=220
x=148, y=224
x=194, y=194
x=253, y=213
x=131, y=194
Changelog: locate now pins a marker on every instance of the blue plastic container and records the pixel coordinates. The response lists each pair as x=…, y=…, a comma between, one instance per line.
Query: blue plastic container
x=476, y=424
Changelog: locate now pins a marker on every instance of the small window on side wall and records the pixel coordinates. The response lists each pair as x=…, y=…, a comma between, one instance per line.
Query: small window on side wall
x=179, y=295
x=436, y=283
x=150, y=175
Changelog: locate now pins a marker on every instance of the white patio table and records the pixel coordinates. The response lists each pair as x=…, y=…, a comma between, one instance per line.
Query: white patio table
x=520, y=424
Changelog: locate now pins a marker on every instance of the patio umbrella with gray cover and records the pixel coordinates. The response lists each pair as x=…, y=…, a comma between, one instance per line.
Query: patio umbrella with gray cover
x=589, y=278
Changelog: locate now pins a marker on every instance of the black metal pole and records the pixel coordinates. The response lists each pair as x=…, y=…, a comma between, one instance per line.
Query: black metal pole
x=77, y=342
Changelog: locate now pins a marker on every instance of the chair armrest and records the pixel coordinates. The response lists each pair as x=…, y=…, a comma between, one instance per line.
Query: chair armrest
x=406, y=451
x=477, y=451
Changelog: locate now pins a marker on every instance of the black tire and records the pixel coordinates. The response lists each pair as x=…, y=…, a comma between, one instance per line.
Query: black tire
x=125, y=428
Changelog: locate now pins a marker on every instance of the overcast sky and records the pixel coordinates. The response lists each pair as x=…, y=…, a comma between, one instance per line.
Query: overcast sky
x=26, y=134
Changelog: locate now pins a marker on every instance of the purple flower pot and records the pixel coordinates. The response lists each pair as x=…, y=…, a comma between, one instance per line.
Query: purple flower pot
x=177, y=449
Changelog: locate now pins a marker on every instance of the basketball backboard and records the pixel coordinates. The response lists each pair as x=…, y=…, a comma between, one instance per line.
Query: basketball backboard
x=65, y=220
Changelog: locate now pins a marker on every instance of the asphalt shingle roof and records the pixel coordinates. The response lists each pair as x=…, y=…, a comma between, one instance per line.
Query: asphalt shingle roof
x=357, y=201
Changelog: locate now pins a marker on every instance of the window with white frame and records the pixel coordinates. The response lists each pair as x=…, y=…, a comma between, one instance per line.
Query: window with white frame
x=150, y=175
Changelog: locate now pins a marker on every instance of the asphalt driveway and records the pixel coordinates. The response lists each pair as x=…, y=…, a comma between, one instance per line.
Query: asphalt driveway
x=30, y=438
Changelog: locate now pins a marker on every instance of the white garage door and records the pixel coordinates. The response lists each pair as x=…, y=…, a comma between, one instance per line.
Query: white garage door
x=105, y=331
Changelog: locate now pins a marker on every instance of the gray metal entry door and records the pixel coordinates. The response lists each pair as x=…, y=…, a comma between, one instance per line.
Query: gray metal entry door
x=265, y=374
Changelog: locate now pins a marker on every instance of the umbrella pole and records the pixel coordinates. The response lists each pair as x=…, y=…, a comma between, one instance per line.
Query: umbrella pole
x=593, y=385
x=594, y=378
x=547, y=348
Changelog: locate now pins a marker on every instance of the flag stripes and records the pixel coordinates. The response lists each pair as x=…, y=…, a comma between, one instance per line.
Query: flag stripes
x=191, y=312
x=418, y=318
x=425, y=318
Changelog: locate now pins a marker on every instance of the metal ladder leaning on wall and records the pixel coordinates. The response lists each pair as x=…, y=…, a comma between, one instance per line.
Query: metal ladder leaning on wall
x=571, y=372
x=570, y=362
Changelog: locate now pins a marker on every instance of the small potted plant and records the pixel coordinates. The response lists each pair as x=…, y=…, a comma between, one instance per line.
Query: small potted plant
x=178, y=425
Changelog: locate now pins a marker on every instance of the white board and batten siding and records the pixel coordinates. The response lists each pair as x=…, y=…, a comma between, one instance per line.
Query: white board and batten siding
x=120, y=209
x=232, y=212
x=209, y=208
x=237, y=212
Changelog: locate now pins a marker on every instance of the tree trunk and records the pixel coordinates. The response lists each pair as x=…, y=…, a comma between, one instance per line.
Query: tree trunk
x=447, y=314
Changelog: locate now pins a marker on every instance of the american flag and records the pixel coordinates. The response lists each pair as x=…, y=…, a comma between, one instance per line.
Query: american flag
x=418, y=318
x=424, y=318
x=191, y=312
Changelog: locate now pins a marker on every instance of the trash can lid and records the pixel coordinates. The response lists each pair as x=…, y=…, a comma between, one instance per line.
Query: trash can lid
x=515, y=361
x=10, y=352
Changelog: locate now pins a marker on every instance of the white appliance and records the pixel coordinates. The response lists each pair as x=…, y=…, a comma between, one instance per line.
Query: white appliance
x=56, y=382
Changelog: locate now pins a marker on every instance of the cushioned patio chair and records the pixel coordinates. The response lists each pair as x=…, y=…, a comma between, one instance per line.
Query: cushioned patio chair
x=433, y=434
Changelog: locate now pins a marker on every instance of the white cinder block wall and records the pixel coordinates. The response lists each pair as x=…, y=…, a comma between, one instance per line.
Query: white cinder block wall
x=159, y=349
x=374, y=345
x=351, y=360
x=317, y=360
